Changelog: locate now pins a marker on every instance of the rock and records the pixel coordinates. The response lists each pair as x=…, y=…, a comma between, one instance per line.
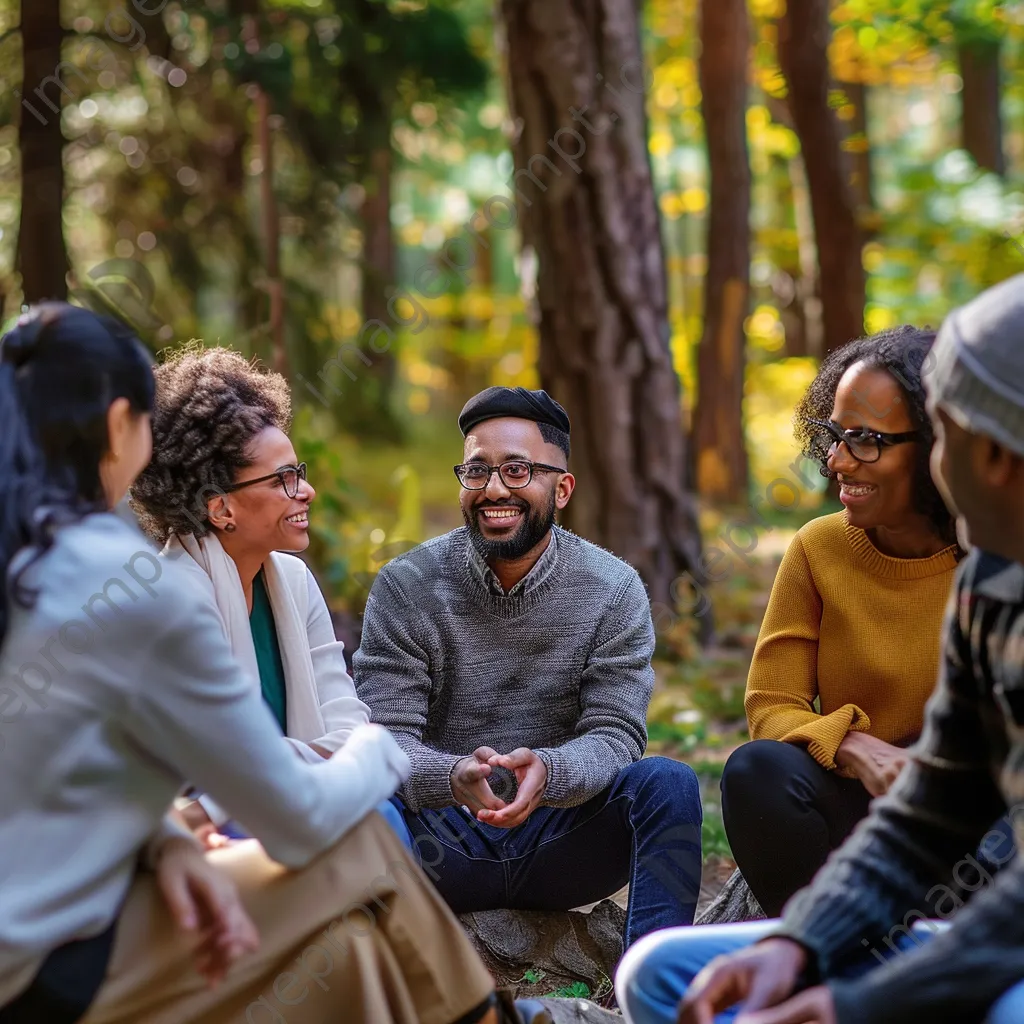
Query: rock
x=559, y=947
x=735, y=902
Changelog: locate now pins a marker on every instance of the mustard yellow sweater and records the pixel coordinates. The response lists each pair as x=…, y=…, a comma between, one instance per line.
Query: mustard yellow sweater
x=853, y=627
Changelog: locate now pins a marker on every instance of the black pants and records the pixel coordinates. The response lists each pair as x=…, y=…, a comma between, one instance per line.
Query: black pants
x=784, y=814
x=66, y=985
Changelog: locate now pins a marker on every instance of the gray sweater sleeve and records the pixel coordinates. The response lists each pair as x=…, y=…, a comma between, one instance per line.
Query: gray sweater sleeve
x=615, y=690
x=392, y=673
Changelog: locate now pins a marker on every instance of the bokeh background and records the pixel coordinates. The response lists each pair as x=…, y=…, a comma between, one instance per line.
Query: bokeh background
x=272, y=175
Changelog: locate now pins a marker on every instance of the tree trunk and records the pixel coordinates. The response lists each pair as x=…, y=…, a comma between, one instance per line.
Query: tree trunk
x=271, y=234
x=585, y=195
x=981, y=122
x=718, y=425
x=42, y=254
x=378, y=271
x=803, y=56
x=858, y=145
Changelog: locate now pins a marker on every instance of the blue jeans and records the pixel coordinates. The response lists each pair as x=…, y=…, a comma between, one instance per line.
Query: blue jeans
x=654, y=975
x=387, y=810
x=644, y=829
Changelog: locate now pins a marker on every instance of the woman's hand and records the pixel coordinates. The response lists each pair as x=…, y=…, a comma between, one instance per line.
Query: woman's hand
x=204, y=900
x=876, y=763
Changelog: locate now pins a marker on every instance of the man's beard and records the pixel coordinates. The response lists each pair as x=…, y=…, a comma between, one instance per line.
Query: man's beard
x=536, y=523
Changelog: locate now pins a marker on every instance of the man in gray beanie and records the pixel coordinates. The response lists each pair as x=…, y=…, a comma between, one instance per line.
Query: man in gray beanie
x=867, y=941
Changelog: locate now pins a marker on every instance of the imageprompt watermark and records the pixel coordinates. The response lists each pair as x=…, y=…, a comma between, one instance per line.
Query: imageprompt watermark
x=968, y=875
x=29, y=684
x=97, y=56
x=459, y=254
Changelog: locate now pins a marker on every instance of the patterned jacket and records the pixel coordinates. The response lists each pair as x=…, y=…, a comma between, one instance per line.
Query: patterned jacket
x=913, y=859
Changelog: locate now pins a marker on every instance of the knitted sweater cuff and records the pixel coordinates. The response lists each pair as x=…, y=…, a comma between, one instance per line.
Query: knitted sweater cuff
x=824, y=735
x=430, y=784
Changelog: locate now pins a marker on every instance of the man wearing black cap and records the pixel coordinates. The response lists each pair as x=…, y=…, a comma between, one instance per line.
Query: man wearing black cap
x=512, y=662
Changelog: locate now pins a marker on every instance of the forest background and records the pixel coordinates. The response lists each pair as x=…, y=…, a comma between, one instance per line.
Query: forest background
x=664, y=213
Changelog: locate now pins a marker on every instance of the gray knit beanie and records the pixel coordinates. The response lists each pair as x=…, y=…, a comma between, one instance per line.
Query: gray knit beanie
x=977, y=370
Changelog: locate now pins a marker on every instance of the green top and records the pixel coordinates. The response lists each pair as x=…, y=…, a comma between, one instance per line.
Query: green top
x=268, y=651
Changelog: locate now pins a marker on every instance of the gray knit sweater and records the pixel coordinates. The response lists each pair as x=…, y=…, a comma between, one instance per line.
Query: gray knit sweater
x=560, y=664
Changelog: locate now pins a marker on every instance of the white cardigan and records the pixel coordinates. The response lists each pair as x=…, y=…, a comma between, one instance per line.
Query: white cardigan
x=320, y=696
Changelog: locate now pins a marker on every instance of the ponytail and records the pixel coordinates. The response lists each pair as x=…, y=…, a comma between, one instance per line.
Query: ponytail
x=61, y=367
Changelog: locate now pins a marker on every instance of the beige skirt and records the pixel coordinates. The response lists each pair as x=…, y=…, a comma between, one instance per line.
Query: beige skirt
x=358, y=937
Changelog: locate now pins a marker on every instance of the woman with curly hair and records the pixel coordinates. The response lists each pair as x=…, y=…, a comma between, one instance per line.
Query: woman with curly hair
x=848, y=651
x=228, y=498
x=123, y=688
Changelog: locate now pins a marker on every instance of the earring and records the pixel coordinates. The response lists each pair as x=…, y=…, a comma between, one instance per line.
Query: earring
x=230, y=527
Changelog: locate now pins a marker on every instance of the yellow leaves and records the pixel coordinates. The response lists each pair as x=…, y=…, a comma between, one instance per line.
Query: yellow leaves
x=878, y=318
x=758, y=118
x=867, y=37
x=856, y=143
x=666, y=96
x=872, y=257
x=670, y=205
x=675, y=204
x=661, y=143
x=764, y=329
x=768, y=8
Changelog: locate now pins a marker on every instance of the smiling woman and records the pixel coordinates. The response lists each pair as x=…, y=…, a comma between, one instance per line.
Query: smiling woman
x=848, y=650
x=228, y=497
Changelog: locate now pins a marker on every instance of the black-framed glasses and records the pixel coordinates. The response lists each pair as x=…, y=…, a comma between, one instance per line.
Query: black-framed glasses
x=863, y=444
x=515, y=473
x=288, y=475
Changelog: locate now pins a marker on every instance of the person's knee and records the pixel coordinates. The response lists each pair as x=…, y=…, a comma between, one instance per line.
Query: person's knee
x=653, y=975
x=1009, y=1008
x=754, y=768
x=675, y=779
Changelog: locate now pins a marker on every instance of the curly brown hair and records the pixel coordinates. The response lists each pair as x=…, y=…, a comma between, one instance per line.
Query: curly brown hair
x=210, y=406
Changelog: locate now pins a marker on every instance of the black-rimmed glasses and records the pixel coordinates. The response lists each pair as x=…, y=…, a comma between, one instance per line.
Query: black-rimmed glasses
x=288, y=475
x=515, y=473
x=863, y=444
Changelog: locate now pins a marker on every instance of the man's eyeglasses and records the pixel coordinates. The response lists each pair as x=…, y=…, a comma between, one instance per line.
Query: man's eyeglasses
x=475, y=476
x=288, y=475
x=863, y=444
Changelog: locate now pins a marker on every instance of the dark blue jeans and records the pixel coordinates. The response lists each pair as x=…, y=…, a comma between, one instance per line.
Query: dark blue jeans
x=644, y=829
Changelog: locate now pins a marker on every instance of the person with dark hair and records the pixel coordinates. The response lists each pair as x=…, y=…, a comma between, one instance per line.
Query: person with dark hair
x=118, y=687
x=227, y=498
x=511, y=660
x=840, y=674
x=905, y=923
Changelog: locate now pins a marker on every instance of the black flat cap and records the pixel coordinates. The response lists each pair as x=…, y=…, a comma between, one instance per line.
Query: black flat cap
x=521, y=403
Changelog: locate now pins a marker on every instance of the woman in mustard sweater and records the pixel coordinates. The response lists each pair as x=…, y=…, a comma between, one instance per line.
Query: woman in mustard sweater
x=848, y=651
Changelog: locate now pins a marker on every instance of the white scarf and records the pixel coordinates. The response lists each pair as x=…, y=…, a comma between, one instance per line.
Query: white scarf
x=287, y=589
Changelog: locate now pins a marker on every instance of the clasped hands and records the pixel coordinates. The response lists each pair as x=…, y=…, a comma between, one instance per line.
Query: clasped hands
x=470, y=788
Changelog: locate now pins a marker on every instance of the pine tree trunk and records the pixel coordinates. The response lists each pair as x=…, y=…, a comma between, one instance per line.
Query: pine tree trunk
x=718, y=427
x=42, y=254
x=981, y=122
x=858, y=145
x=378, y=276
x=803, y=55
x=587, y=208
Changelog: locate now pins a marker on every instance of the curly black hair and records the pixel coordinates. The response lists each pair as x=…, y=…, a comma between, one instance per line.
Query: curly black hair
x=902, y=351
x=210, y=406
